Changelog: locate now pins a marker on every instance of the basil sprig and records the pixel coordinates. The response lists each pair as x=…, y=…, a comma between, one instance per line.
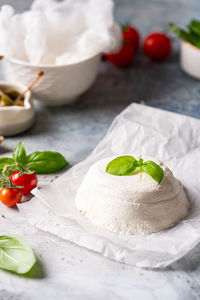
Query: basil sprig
x=190, y=35
x=5, y=161
x=152, y=169
x=125, y=165
x=122, y=165
x=15, y=254
x=44, y=162
x=19, y=154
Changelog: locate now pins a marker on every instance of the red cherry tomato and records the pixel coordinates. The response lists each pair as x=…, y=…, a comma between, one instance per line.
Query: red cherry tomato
x=127, y=53
x=157, y=46
x=124, y=57
x=27, y=181
x=131, y=34
x=10, y=197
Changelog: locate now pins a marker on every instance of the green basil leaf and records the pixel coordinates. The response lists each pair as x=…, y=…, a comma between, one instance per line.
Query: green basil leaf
x=187, y=36
x=19, y=153
x=4, y=161
x=140, y=162
x=15, y=254
x=179, y=32
x=154, y=170
x=122, y=165
x=194, y=27
x=45, y=162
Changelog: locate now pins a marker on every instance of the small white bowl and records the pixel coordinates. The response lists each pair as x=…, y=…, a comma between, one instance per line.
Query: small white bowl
x=15, y=119
x=190, y=59
x=61, y=84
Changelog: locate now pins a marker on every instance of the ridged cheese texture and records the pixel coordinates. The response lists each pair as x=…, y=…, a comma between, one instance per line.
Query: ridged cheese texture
x=133, y=204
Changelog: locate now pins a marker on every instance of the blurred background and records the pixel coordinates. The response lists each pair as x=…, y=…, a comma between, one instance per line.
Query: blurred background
x=78, y=127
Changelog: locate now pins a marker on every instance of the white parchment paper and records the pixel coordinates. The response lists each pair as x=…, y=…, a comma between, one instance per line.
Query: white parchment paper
x=172, y=138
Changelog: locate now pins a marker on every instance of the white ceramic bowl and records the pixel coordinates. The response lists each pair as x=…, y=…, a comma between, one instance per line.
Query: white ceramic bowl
x=16, y=119
x=190, y=59
x=60, y=84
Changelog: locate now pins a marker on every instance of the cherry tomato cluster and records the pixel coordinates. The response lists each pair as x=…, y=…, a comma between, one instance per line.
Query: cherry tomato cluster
x=20, y=185
x=156, y=46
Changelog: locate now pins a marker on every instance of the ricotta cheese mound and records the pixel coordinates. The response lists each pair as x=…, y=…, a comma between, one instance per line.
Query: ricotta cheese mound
x=131, y=204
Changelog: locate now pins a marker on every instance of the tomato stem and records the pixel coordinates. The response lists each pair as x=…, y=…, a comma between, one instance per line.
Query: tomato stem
x=5, y=180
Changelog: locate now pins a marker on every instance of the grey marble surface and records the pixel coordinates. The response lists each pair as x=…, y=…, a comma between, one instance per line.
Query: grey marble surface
x=66, y=271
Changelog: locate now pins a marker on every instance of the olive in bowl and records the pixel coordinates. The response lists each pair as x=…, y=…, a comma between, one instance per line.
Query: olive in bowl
x=10, y=97
x=16, y=114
